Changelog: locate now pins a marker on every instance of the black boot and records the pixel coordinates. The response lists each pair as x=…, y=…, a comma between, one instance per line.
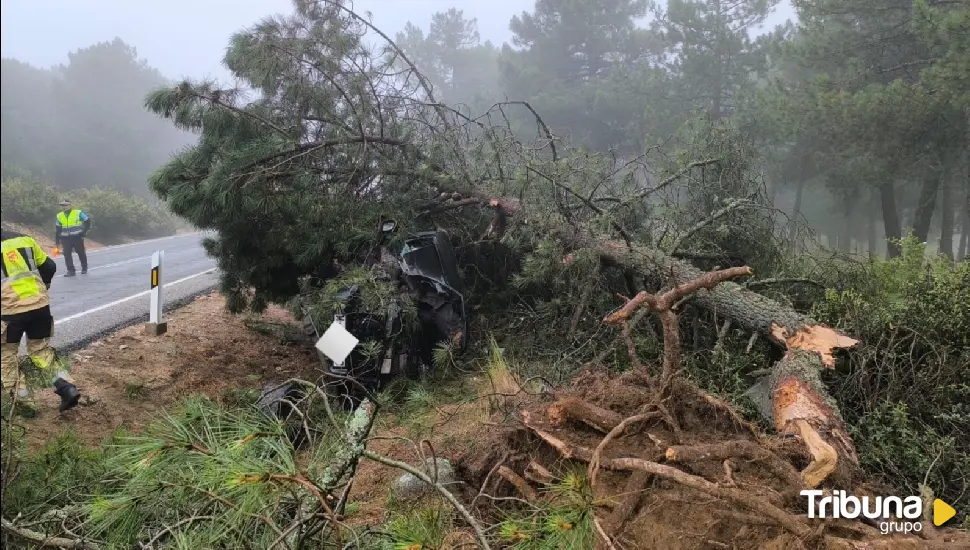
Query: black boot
x=68, y=392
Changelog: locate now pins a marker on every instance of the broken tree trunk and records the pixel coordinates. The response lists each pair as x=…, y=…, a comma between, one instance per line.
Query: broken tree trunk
x=800, y=402
x=794, y=398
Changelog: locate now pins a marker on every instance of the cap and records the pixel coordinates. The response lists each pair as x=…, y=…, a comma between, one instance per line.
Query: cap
x=65, y=202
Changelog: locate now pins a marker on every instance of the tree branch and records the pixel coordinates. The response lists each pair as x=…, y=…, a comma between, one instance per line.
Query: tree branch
x=45, y=541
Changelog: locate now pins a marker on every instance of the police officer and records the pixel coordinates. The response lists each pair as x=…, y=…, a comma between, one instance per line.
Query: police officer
x=71, y=226
x=27, y=274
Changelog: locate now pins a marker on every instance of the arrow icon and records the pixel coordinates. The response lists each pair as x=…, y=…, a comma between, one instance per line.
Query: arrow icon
x=942, y=512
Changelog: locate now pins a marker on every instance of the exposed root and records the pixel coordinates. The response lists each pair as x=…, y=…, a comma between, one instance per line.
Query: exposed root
x=520, y=484
x=781, y=517
x=615, y=432
x=632, y=496
x=570, y=408
x=744, y=449
x=538, y=473
x=602, y=533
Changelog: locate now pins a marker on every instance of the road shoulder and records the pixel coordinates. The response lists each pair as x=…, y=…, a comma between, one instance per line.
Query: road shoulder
x=127, y=378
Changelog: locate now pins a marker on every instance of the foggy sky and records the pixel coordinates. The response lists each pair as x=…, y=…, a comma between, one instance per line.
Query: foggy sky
x=187, y=38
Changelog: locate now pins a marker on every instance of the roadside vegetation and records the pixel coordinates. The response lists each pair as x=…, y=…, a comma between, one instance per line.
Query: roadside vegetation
x=651, y=295
x=117, y=216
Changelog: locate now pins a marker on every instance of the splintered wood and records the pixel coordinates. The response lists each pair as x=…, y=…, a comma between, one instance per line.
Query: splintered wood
x=817, y=338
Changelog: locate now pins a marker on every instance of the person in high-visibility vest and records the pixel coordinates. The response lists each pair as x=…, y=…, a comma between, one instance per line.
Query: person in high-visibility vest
x=27, y=275
x=70, y=228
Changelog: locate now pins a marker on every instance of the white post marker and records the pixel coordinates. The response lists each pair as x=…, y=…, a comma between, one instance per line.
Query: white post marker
x=337, y=343
x=155, y=326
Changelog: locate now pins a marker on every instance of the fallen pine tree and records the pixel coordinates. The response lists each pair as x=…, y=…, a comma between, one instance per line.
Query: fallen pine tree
x=756, y=472
x=295, y=183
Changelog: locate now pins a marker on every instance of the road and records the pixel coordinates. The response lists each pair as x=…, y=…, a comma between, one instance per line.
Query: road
x=115, y=291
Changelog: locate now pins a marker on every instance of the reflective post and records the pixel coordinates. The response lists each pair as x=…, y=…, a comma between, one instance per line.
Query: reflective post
x=156, y=326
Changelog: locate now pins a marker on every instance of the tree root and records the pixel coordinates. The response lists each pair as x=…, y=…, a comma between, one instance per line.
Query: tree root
x=633, y=494
x=518, y=482
x=735, y=449
x=594, y=462
x=538, y=473
x=779, y=516
x=571, y=408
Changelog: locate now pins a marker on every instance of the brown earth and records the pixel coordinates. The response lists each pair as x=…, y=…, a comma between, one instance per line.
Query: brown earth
x=128, y=379
x=669, y=514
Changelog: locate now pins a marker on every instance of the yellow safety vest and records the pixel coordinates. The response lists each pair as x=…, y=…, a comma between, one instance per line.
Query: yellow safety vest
x=71, y=225
x=22, y=288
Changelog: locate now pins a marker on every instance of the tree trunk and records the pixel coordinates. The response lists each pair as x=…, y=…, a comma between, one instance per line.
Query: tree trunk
x=890, y=219
x=793, y=225
x=845, y=239
x=926, y=206
x=964, y=237
x=947, y=216
x=871, y=228
x=801, y=405
x=800, y=402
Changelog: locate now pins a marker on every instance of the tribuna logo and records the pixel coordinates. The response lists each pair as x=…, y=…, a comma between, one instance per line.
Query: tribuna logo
x=894, y=514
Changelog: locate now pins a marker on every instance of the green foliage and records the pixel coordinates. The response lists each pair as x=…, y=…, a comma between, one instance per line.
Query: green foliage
x=905, y=395
x=233, y=469
x=57, y=475
x=423, y=528
x=114, y=215
x=565, y=522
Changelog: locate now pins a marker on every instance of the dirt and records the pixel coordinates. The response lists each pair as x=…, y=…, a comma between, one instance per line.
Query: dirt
x=129, y=378
x=44, y=236
x=669, y=515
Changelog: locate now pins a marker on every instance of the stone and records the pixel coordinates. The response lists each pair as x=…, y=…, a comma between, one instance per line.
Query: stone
x=409, y=487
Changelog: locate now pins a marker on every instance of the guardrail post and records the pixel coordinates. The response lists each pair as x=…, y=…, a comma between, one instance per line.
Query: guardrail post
x=155, y=325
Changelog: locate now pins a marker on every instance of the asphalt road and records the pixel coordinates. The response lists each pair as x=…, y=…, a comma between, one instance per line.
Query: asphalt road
x=116, y=290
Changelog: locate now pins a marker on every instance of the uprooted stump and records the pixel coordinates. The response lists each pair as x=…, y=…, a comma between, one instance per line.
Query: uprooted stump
x=819, y=426
x=719, y=486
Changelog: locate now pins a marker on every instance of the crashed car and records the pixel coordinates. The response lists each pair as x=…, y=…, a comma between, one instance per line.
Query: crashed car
x=426, y=271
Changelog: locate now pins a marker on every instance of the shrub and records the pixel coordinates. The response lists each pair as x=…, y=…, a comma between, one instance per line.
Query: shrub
x=115, y=215
x=28, y=201
x=906, y=397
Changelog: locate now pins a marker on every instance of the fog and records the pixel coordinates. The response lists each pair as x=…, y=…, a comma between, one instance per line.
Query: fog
x=75, y=75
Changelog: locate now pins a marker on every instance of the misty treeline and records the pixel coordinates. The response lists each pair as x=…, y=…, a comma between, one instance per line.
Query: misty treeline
x=629, y=158
x=858, y=110
x=83, y=124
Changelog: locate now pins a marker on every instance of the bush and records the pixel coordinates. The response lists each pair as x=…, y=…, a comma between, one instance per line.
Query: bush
x=907, y=397
x=115, y=215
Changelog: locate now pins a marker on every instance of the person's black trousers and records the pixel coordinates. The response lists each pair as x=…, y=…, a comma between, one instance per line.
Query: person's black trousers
x=71, y=245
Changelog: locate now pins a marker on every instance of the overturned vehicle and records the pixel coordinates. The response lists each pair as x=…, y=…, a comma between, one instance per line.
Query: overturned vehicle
x=399, y=339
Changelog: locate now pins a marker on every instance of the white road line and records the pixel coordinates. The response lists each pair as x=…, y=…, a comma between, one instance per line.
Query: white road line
x=129, y=298
x=117, y=246
x=124, y=262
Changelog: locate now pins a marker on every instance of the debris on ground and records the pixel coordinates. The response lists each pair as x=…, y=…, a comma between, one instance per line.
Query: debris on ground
x=685, y=473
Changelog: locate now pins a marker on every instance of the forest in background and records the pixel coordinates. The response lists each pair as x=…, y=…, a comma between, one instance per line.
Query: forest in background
x=83, y=124
x=626, y=160
x=80, y=130
x=857, y=110
x=837, y=104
